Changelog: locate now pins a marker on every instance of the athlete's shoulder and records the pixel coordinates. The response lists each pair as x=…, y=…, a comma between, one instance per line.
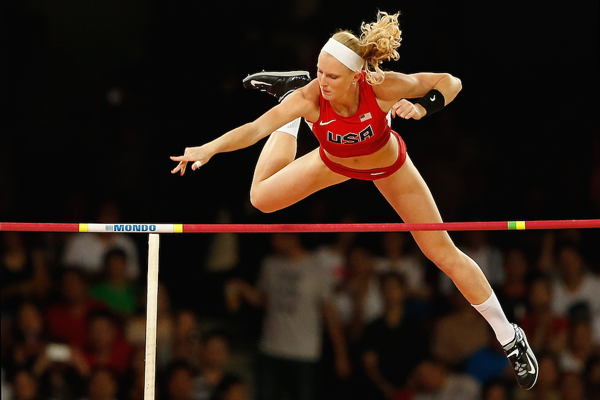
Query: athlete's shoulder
x=312, y=91
x=307, y=100
x=392, y=86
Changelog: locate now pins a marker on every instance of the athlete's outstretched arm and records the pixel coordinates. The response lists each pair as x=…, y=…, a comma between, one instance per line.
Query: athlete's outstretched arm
x=245, y=135
x=401, y=86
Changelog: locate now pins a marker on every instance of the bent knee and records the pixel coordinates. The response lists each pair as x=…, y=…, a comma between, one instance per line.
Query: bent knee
x=262, y=201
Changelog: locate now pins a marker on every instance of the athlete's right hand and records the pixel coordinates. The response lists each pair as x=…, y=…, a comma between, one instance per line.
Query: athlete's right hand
x=407, y=110
x=198, y=155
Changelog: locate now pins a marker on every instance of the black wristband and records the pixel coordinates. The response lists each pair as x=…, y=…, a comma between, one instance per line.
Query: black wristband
x=432, y=102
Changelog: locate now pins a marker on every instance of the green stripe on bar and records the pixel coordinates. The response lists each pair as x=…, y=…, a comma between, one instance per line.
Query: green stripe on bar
x=516, y=225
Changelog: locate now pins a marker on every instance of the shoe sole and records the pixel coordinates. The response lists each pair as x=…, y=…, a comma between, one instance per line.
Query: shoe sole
x=532, y=357
x=277, y=74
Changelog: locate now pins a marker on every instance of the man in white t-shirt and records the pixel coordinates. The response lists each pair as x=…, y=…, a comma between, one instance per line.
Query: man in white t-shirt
x=87, y=250
x=576, y=286
x=296, y=292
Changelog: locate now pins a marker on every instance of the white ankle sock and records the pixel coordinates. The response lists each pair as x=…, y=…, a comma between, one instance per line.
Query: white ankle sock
x=494, y=315
x=291, y=128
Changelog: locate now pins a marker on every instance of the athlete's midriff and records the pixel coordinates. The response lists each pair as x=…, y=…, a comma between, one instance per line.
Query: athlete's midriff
x=369, y=174
x=383, y=157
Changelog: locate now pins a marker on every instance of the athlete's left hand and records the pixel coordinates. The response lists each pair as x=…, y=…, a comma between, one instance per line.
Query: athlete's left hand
x=407, y=110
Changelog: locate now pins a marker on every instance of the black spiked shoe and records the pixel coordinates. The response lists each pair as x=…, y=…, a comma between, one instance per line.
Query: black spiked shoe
x=278, y=84
x=522, y=359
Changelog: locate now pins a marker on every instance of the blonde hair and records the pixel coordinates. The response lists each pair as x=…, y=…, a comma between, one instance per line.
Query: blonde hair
x=377, y=43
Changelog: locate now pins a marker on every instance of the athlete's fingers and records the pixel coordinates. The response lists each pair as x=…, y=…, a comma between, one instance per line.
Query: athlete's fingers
x=403, y=108
x=397, y=109
x=174, y=170
x=409, y=113
x=196, y=165
x=181, y=166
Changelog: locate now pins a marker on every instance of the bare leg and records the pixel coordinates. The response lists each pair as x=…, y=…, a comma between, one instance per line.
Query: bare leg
x=279, y=151
x=280, y=180
x=408, y=193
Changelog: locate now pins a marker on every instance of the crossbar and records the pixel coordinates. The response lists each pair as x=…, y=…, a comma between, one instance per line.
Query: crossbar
x=298, y=228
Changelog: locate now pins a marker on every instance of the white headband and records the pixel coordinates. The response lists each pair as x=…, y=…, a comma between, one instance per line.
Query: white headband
x=344, y=55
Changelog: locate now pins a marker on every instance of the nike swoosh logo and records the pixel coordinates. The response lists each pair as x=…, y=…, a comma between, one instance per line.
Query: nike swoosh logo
x=253, y=82
x=514, y=353
x=377, y=173
x=326, y=123
x=433, y=98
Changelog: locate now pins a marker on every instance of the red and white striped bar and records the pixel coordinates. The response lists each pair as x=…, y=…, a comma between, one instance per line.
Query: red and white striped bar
x=298, y=228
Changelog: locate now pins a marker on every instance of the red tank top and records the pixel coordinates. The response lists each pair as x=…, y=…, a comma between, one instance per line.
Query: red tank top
x=358, y=135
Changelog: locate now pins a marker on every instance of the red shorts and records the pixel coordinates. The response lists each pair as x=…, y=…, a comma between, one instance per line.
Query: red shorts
x=368, y=174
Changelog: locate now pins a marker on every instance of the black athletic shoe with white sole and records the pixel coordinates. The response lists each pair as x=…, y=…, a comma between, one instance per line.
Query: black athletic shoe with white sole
x=522, y=359
x=278, y=84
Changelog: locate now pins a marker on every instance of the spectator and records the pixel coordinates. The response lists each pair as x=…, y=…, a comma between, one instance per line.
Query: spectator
x=67, y=318
x=546, y=331
x=23, y=273
x=410, y=265
x=488, y=364
x=106, y=346
x=547, y=386
x=296, y=293
x=135, y=379
x=116, y=290
x=86, y=251
x=580, y=348
x=513, y=290
x=333, y=256
x=102, y=385
x=214, y=360
x=592, y=378
x=576, y=284
x=359, y=301
x=394, y=344
x=572, y=387
x=7, y=332
x=231, y=388
x=25, y=386
x=494, y=391
x=6, y=389
x=179, y=381
x=30, y=338
x=62, y=371
x=433, y=381
x=460, y=334
x=186, y=337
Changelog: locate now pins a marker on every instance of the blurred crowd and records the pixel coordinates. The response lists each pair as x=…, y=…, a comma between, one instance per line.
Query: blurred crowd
x=308, y=316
